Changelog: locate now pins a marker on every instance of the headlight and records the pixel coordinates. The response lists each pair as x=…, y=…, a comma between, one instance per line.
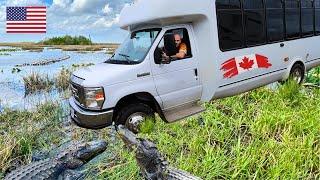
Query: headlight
x=93, y=98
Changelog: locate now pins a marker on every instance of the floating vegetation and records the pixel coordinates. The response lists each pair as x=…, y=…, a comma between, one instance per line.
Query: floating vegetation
x=36, y=81
x=44, y=62
x=9, y=50
x=5, y=54
x=77, y=66
x=15, y=70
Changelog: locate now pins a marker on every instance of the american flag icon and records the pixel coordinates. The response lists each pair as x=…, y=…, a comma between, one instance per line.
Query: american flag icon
x=30, y=19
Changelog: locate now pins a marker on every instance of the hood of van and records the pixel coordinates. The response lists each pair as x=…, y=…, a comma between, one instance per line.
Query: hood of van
x=106, y=74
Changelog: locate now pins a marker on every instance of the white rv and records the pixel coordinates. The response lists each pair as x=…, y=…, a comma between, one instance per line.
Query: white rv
x=229, y=47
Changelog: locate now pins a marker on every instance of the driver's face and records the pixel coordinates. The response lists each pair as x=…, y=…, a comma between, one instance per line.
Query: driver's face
x=177, y=40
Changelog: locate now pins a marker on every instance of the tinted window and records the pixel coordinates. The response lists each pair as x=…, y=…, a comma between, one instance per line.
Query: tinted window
x=252, y=4
x=275, y=25
x=273, y=4
x=317, y=16
x=292, y=19
x=229, y=25
x=254, y=22
x=307, y=17
x=228, y=4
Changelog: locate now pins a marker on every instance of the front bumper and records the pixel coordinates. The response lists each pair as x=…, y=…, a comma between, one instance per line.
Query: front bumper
x=89, y=119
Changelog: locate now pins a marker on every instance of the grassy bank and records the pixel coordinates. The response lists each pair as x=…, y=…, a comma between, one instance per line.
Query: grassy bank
x=257, y=135
x=23, y=132
x=262, y=134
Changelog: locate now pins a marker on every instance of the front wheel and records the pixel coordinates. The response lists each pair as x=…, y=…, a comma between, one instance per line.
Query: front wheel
x=133, y=115
x=297, y=73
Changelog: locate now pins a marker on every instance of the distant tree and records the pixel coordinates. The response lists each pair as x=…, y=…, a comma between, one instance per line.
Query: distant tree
x=67, y=40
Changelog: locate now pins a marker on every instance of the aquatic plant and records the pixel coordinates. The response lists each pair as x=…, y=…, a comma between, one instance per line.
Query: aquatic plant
x=5, y=54
x=63, y=78
x=9, y=50
x=36, y=81
x=15, y=70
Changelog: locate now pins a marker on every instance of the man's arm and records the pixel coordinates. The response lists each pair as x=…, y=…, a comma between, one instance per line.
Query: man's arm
x=182, y=52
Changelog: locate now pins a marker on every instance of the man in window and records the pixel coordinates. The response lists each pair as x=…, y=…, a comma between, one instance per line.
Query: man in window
x=181, y=49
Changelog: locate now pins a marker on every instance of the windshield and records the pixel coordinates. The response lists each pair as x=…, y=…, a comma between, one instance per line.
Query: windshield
x=135, y=48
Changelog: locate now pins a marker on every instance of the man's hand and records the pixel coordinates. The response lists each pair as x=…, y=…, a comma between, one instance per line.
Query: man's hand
x=165, y=58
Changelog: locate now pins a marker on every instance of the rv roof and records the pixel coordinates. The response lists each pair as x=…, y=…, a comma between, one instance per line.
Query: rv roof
x=162, y=12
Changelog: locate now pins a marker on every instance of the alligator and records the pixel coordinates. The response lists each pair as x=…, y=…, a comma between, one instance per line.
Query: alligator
x=152, y=163
x=60, y=165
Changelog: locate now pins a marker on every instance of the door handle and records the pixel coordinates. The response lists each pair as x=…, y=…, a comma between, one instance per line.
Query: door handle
x=196, y=72
x=282, y=45
x=143, y=74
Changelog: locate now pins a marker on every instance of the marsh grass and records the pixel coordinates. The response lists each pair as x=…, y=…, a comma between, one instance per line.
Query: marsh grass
x=23, y=132
x=35, y=81
x=263, y=134
x=62, y=80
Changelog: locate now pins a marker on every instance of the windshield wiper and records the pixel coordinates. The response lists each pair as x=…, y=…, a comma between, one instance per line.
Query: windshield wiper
x=112, y=61
x=125, y=56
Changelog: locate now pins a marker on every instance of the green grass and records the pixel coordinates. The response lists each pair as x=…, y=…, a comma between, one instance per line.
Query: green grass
x=262, y=134
x=314, y=76
x=23, y=132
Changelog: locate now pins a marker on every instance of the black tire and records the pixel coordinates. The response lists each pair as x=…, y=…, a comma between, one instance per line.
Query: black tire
x=297, y=73
x=138, y=109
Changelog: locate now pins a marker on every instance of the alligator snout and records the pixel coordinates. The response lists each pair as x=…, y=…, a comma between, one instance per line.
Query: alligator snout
x=89, y=150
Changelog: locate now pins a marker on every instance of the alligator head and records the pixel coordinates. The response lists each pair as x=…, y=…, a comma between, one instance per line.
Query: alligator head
x=80, y=154
x=150, y=161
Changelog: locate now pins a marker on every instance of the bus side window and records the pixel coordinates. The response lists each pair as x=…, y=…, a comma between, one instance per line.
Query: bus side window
x=254, y=22
x=307, y=17
x=317, y=16
x=292, y=19
x=230, y=28
x=275, y=16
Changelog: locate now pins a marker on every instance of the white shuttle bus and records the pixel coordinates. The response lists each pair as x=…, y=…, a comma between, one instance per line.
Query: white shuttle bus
x=180, y=53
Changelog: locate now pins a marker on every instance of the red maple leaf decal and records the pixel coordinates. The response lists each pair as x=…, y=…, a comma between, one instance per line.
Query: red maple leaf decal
x=246, y=63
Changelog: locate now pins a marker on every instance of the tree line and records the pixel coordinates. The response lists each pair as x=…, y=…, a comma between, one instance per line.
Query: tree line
x=67, y=40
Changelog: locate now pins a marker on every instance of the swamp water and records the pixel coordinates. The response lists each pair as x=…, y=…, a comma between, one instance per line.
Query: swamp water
x=12, y=90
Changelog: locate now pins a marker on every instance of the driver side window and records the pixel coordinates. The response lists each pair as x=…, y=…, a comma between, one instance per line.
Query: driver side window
x=174, y=45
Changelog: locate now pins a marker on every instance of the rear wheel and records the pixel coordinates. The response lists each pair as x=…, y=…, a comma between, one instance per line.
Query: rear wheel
x=297, y=73
x=133, y=115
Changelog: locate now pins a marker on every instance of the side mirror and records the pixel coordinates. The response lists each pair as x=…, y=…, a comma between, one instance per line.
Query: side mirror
x=169, y=44
x=157, y=56
x=158, y=59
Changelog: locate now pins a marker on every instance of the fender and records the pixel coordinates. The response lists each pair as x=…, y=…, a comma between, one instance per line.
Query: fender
x=292, y=63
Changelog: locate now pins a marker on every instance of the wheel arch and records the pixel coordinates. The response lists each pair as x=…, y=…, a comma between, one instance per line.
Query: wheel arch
x=297, y=61
x=142, y=97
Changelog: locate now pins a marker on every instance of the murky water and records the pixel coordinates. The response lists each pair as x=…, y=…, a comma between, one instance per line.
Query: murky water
x=12, y=91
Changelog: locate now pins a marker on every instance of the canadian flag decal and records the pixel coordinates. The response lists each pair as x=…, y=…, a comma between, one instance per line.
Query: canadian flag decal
x=241, y=64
